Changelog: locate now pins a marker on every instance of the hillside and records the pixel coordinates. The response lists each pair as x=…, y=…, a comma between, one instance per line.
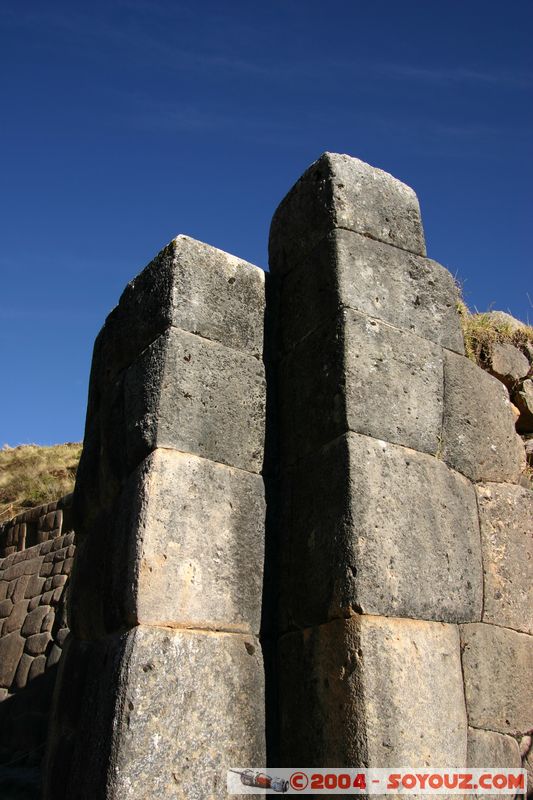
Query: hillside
x=31, y=475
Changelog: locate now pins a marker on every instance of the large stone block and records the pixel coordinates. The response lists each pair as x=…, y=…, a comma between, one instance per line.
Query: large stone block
x=379, y=528
x=215, y=719
x=506, y=517
x=493, y=750
x=349, y=270
x=190, y=394
x=187, y=547
x=155, y=713
x=349, y=695
x=11, y=648
x=487, y=749
x=361, y=375
x=339, y=191
x=479, y=438
x=192, y=286
x=508, y=364
x=498, y=673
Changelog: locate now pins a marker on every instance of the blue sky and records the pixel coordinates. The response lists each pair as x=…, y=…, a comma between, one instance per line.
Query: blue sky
x=125, y=123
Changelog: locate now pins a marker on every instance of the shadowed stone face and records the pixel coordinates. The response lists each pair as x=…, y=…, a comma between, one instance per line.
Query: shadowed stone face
x=347, y=270
x=196, y=396
x=339, y=191
x=365, y=376
x=361, y=531
x=378, y=691
x=192, y=286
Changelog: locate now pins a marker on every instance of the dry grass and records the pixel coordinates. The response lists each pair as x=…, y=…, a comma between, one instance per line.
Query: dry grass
x=481, y=332
x=31, y=475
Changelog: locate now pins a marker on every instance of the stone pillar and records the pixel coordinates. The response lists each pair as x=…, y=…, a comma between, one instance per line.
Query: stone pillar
x=385, y=424
x=161, y=685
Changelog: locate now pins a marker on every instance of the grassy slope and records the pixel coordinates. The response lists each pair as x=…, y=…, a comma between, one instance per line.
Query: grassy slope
x=31, y=475
x=481, y=331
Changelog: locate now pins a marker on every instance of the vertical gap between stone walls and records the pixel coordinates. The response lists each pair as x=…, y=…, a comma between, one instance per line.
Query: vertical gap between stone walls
x=268, y=634
x=474, y=486
x=464, y=686
x=440, y=443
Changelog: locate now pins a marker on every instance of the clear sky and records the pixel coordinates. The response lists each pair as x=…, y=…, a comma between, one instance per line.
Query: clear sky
x=126, y=122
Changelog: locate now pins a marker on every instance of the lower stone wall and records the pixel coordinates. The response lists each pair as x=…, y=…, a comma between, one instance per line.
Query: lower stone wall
x=497, y=653
x=36, y=525
x=33, y=629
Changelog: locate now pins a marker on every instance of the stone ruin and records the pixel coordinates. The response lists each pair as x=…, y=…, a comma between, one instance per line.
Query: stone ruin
x=300, y=534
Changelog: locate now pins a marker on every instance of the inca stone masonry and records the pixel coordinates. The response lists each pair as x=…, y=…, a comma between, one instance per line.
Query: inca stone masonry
x=300, y=536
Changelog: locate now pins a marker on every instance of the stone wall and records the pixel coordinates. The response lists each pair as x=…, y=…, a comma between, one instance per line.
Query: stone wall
x=38, y=550
x=161, y=686
x=406, y=549
x=339, y=566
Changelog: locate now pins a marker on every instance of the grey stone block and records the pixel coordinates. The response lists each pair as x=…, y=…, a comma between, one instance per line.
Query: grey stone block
x=11, y=647
x=187, y=549
x=348, y=694
x=217, y=714
x=350, y=270
x=155, y=713
x=192, y=286
x=493, y=750
x=498, y=674
x=479, y=438
x=338, y=191
x=361, y=375
x=506, y=517
x=200, y=544
x=508, y=364
x=197, y=396
x=375, y=527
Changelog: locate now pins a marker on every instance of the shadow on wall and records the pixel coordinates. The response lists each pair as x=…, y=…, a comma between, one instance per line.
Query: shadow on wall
x=33, y=629
x=23, y=727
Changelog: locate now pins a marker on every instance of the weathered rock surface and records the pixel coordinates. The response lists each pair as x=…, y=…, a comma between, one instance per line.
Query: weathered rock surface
x=498, y=674
x=524, y=402
x=354, y=678
x=214, y=719
x=195, y=552
x=362, y=375
x=508, y=364
x=506, y=517
x=192, y=286
x=11, y=648
x=349, y=270
x=479, y=439
x=190, y=394
x=529, y=451
x=155, y=712
x=339, y=191
x=359, y=529
x=490, y=749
